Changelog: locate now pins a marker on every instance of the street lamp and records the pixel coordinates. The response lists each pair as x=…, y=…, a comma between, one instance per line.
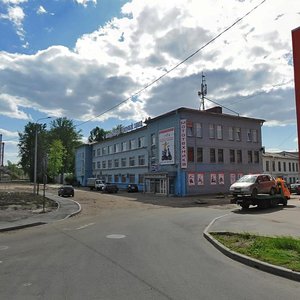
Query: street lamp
x=35, y=153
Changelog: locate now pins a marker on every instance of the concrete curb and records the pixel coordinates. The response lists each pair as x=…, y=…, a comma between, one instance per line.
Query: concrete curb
x=74, y=213
x=22, y=226
x=263, y=266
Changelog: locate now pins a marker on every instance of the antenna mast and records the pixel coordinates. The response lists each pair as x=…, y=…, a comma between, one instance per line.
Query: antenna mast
x=203, y=92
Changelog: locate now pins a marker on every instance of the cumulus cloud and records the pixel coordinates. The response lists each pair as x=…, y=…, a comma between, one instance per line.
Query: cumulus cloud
x=243, y=67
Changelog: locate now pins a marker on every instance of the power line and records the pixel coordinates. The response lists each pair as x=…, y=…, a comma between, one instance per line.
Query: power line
x=176, y=66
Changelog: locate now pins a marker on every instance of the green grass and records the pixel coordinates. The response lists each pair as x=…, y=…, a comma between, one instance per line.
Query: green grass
x=280, y=251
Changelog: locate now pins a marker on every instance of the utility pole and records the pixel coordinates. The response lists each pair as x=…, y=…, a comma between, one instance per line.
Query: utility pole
x=203, y=92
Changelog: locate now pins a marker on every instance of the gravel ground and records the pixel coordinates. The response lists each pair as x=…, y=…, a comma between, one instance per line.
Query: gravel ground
x=95, y=202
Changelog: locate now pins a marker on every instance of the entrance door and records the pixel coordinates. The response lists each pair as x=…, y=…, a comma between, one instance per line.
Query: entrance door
x=163, y=186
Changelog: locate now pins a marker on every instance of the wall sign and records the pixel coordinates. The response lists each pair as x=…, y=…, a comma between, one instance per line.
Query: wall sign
x=166, y=146
x=183, y=146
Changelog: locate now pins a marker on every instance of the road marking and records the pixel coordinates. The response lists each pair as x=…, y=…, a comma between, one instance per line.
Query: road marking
x=85, y=226
x=3, y=248
x=116, y=236
x=27, y=284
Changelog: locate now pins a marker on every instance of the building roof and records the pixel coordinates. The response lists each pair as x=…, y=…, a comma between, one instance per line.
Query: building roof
x=282, y=154
x=212, y=111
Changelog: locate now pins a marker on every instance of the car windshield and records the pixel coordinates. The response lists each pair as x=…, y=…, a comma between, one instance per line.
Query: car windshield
x=247, y=178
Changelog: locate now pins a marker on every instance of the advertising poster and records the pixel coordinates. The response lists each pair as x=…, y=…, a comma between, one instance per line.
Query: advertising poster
x=191, y=179
x=213, y=178
x=221, y=178
x=166, y=146
x=200, y=179
x=232, y=178
x=183, y=147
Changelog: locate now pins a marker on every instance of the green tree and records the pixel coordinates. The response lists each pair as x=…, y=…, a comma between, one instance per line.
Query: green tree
x=26, y=147
x=97, y=135
x=55, y=158
x=64, y=130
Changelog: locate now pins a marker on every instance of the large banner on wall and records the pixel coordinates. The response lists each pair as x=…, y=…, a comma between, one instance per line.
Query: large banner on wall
x=296, y=57
x=166, y=146
x=183, y=147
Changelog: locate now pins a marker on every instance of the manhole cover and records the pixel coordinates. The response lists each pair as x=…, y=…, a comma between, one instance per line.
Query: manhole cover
x=116, y=236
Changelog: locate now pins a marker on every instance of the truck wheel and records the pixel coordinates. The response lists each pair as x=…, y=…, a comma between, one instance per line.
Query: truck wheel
x=245, y=205
x=284, y=202
x=272, y=191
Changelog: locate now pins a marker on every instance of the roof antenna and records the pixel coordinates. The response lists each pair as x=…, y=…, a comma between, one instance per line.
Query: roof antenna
x=203, y=92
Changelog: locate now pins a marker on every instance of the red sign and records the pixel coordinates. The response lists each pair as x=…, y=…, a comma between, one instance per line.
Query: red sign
x=296, y=56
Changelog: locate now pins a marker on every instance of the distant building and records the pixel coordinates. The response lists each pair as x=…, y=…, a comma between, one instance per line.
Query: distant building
x=282, y=164
x=182, y=152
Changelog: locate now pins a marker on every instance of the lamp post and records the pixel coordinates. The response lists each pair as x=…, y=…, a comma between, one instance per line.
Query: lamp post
x=35, y=153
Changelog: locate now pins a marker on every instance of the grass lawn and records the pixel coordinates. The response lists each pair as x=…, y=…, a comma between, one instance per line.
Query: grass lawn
x=280, y=251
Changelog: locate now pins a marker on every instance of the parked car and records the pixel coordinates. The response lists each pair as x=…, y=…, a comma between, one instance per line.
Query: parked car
x=254, y=184
x=295, y=188
x=110, y=188
x=66, y=190
x=132, y=188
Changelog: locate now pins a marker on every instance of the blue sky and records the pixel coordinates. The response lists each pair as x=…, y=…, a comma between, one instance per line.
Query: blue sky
x=78, y=58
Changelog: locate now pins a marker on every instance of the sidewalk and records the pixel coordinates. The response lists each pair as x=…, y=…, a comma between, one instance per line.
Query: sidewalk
x=66, y=209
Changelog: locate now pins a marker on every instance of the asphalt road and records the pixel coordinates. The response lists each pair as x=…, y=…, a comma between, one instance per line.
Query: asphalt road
x=134, y=253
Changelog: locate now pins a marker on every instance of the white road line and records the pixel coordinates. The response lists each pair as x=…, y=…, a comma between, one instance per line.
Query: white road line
x=85, y=226
x=116, y=236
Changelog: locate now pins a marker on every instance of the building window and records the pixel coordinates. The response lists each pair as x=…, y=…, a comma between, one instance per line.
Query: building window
x=189, y=128
x=110, y=149
x=116, y=148
x=132, y=144
x=109, y=178
x=131, y=178
x=98, y=164
x=123, y=178
x=98, y=152
x=284, y=166
x=256, y=157
x=131, y=161
x=141, y=160
x=116, y=178
x=141, y=142
x=103, y=164
x=279, y=166
x=293, y=165
x=141, y=179
x=254, y=136
x=239, y=157
x=250, y=157
x=273, y=166
x=219, y=132
x=211, y=131
x=109, y=164
x=220, y=155
x=267, y=166
x=94, y=153
x=123, y=162
x=116, y=163
x=104, y=151
x=290, y=167
x=249, y=135
x=198, y=130
x=123, y=146
x=230, y=133
x=190, y=154
x=153, y=139
x=199, y=155
x=238, y=134
x=296, y=167
x=212, y=154
x=232, y=155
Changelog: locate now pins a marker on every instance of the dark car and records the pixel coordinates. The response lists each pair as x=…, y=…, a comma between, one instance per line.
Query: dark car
x=66, y=190
x=132, y=188
x=110, y=188
x=295, y=188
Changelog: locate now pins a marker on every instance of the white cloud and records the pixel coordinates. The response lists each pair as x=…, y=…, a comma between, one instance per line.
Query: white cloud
x=85, y=2
x=8, y=134
x=41, y=10
x=243, y=67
